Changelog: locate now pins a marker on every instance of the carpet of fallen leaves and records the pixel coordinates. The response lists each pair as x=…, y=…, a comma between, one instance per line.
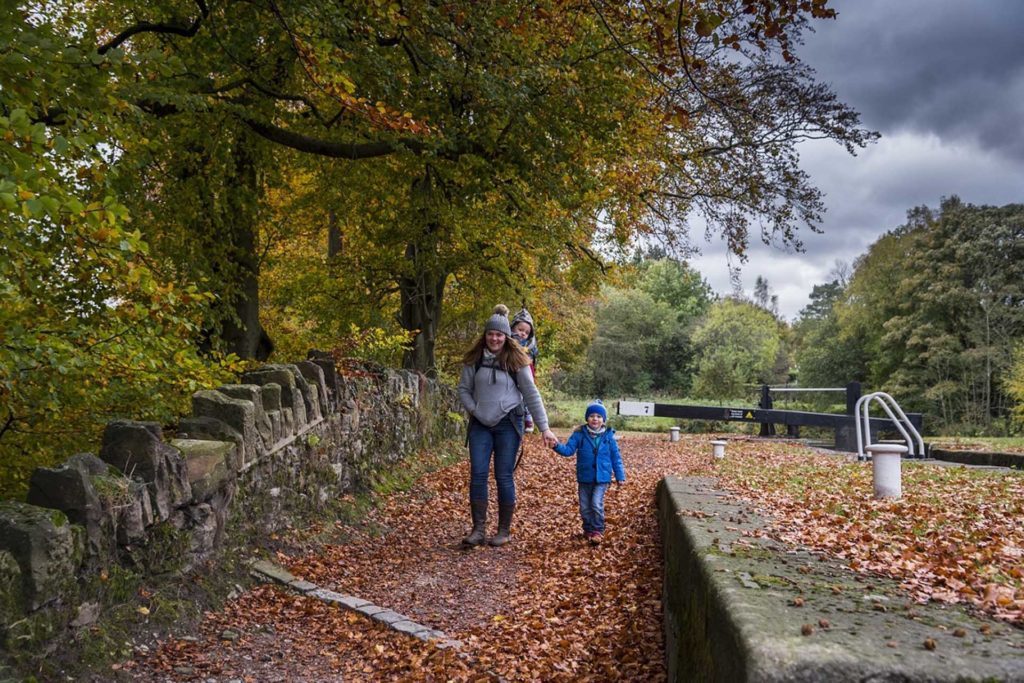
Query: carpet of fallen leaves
x=549, y=607
x=956, y=535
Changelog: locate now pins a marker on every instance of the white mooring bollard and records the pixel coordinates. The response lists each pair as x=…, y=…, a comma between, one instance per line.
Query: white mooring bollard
x=718, y=449
x=885, y=468
x=673, y=433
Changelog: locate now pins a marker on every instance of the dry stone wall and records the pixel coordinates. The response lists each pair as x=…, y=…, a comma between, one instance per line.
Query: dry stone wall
x=286, y=438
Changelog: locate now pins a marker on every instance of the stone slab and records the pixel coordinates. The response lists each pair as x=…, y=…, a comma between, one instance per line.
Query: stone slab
x=409, y=627
x=390, y=617
x=369, y=609
x=266, y=569
x=980, y=458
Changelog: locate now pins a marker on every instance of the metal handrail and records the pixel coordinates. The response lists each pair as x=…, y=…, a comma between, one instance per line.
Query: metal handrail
x=807, y=389
x=865, y=435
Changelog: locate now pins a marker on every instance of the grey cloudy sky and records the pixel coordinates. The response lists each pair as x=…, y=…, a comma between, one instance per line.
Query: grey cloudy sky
x=943, y=82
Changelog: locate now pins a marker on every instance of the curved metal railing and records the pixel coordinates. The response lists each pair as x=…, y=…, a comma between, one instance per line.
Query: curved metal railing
x=888, y=403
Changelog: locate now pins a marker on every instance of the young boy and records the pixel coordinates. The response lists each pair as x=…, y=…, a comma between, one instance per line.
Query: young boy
x=522, y=330
x=597, y=459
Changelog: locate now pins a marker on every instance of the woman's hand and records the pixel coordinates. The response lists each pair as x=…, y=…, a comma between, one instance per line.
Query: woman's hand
x=549, y=438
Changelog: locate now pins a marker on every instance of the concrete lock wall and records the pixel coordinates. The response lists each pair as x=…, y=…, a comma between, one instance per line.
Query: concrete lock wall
x=286, y=436
x=740, y=607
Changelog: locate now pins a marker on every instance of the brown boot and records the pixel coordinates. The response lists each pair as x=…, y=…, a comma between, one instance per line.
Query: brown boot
x=504, y=535
x=478, y=508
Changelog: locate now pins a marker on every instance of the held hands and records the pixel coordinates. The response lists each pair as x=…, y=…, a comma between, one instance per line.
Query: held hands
x=549, y=438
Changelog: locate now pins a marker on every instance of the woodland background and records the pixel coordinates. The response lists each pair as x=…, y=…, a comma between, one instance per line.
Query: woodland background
x=191, y=187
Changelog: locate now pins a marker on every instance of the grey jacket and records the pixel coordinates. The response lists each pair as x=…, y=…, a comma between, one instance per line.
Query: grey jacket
x=489, y=394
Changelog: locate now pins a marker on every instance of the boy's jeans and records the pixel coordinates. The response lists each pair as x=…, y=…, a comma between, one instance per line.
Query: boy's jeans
x=503, y=439
x=592, y=507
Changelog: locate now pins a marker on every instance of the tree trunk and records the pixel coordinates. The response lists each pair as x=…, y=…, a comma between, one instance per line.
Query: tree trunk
x=245, y=336
x=421, y=297
x=334, y=241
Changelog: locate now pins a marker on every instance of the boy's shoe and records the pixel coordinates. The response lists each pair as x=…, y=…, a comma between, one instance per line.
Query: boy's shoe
x=596, y=537
x=528, y=426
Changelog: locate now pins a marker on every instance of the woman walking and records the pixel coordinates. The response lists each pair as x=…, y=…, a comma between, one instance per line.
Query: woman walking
x=496, y=381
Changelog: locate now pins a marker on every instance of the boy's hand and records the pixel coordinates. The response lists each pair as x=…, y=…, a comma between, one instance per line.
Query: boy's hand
x=549, y=438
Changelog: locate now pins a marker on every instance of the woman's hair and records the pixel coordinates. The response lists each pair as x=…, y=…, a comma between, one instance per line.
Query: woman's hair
x=511, y=358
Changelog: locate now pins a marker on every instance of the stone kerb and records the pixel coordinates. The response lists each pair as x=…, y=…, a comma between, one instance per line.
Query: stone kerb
x=739, y=607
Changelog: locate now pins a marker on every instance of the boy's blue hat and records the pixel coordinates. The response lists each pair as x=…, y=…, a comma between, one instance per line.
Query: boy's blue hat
x=596, y=407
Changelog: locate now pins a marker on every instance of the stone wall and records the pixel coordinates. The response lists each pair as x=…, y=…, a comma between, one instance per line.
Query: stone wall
x=285, y=438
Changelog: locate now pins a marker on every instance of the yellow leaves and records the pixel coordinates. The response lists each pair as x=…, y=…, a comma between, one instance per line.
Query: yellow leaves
x=346, y=82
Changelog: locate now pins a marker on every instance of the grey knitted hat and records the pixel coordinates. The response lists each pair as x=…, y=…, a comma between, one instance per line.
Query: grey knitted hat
x=523, y=316
x=499, y=321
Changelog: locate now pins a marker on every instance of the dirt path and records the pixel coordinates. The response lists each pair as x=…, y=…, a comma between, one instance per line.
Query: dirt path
x=547, y=607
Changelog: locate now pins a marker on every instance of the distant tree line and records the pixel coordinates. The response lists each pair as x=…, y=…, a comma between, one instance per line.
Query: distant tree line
x=663, y=331
x=933, y=313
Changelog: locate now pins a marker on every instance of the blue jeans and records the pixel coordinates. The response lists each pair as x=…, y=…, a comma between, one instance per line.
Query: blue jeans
x=503, y=440
x=592, y=506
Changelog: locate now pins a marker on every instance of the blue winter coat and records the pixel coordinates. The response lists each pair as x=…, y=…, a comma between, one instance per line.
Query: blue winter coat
x=594, y=466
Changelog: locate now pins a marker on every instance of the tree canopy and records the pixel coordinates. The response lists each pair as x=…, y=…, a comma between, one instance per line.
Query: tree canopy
x=184, y=182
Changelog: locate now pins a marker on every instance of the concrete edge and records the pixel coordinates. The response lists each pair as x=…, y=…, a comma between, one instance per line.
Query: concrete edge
x=983, y=458
x=267, y=571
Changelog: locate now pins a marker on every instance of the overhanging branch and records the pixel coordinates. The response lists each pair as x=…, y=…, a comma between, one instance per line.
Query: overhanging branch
x=329, y=148
x=178, y=29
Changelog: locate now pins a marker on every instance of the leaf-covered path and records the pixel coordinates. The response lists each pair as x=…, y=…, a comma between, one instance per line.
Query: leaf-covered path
x=546, y=607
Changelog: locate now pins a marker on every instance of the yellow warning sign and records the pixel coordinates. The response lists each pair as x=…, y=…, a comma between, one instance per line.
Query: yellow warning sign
x=749, y=415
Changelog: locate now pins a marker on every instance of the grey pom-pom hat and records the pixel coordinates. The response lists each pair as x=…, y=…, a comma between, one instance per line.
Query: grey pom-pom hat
x=499, y=321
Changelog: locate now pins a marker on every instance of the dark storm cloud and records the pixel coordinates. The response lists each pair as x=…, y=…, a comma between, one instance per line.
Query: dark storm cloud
x=943, y=82
x=953, y=68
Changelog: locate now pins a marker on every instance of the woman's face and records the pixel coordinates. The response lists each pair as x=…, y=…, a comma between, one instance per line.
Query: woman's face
x=494, y=340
